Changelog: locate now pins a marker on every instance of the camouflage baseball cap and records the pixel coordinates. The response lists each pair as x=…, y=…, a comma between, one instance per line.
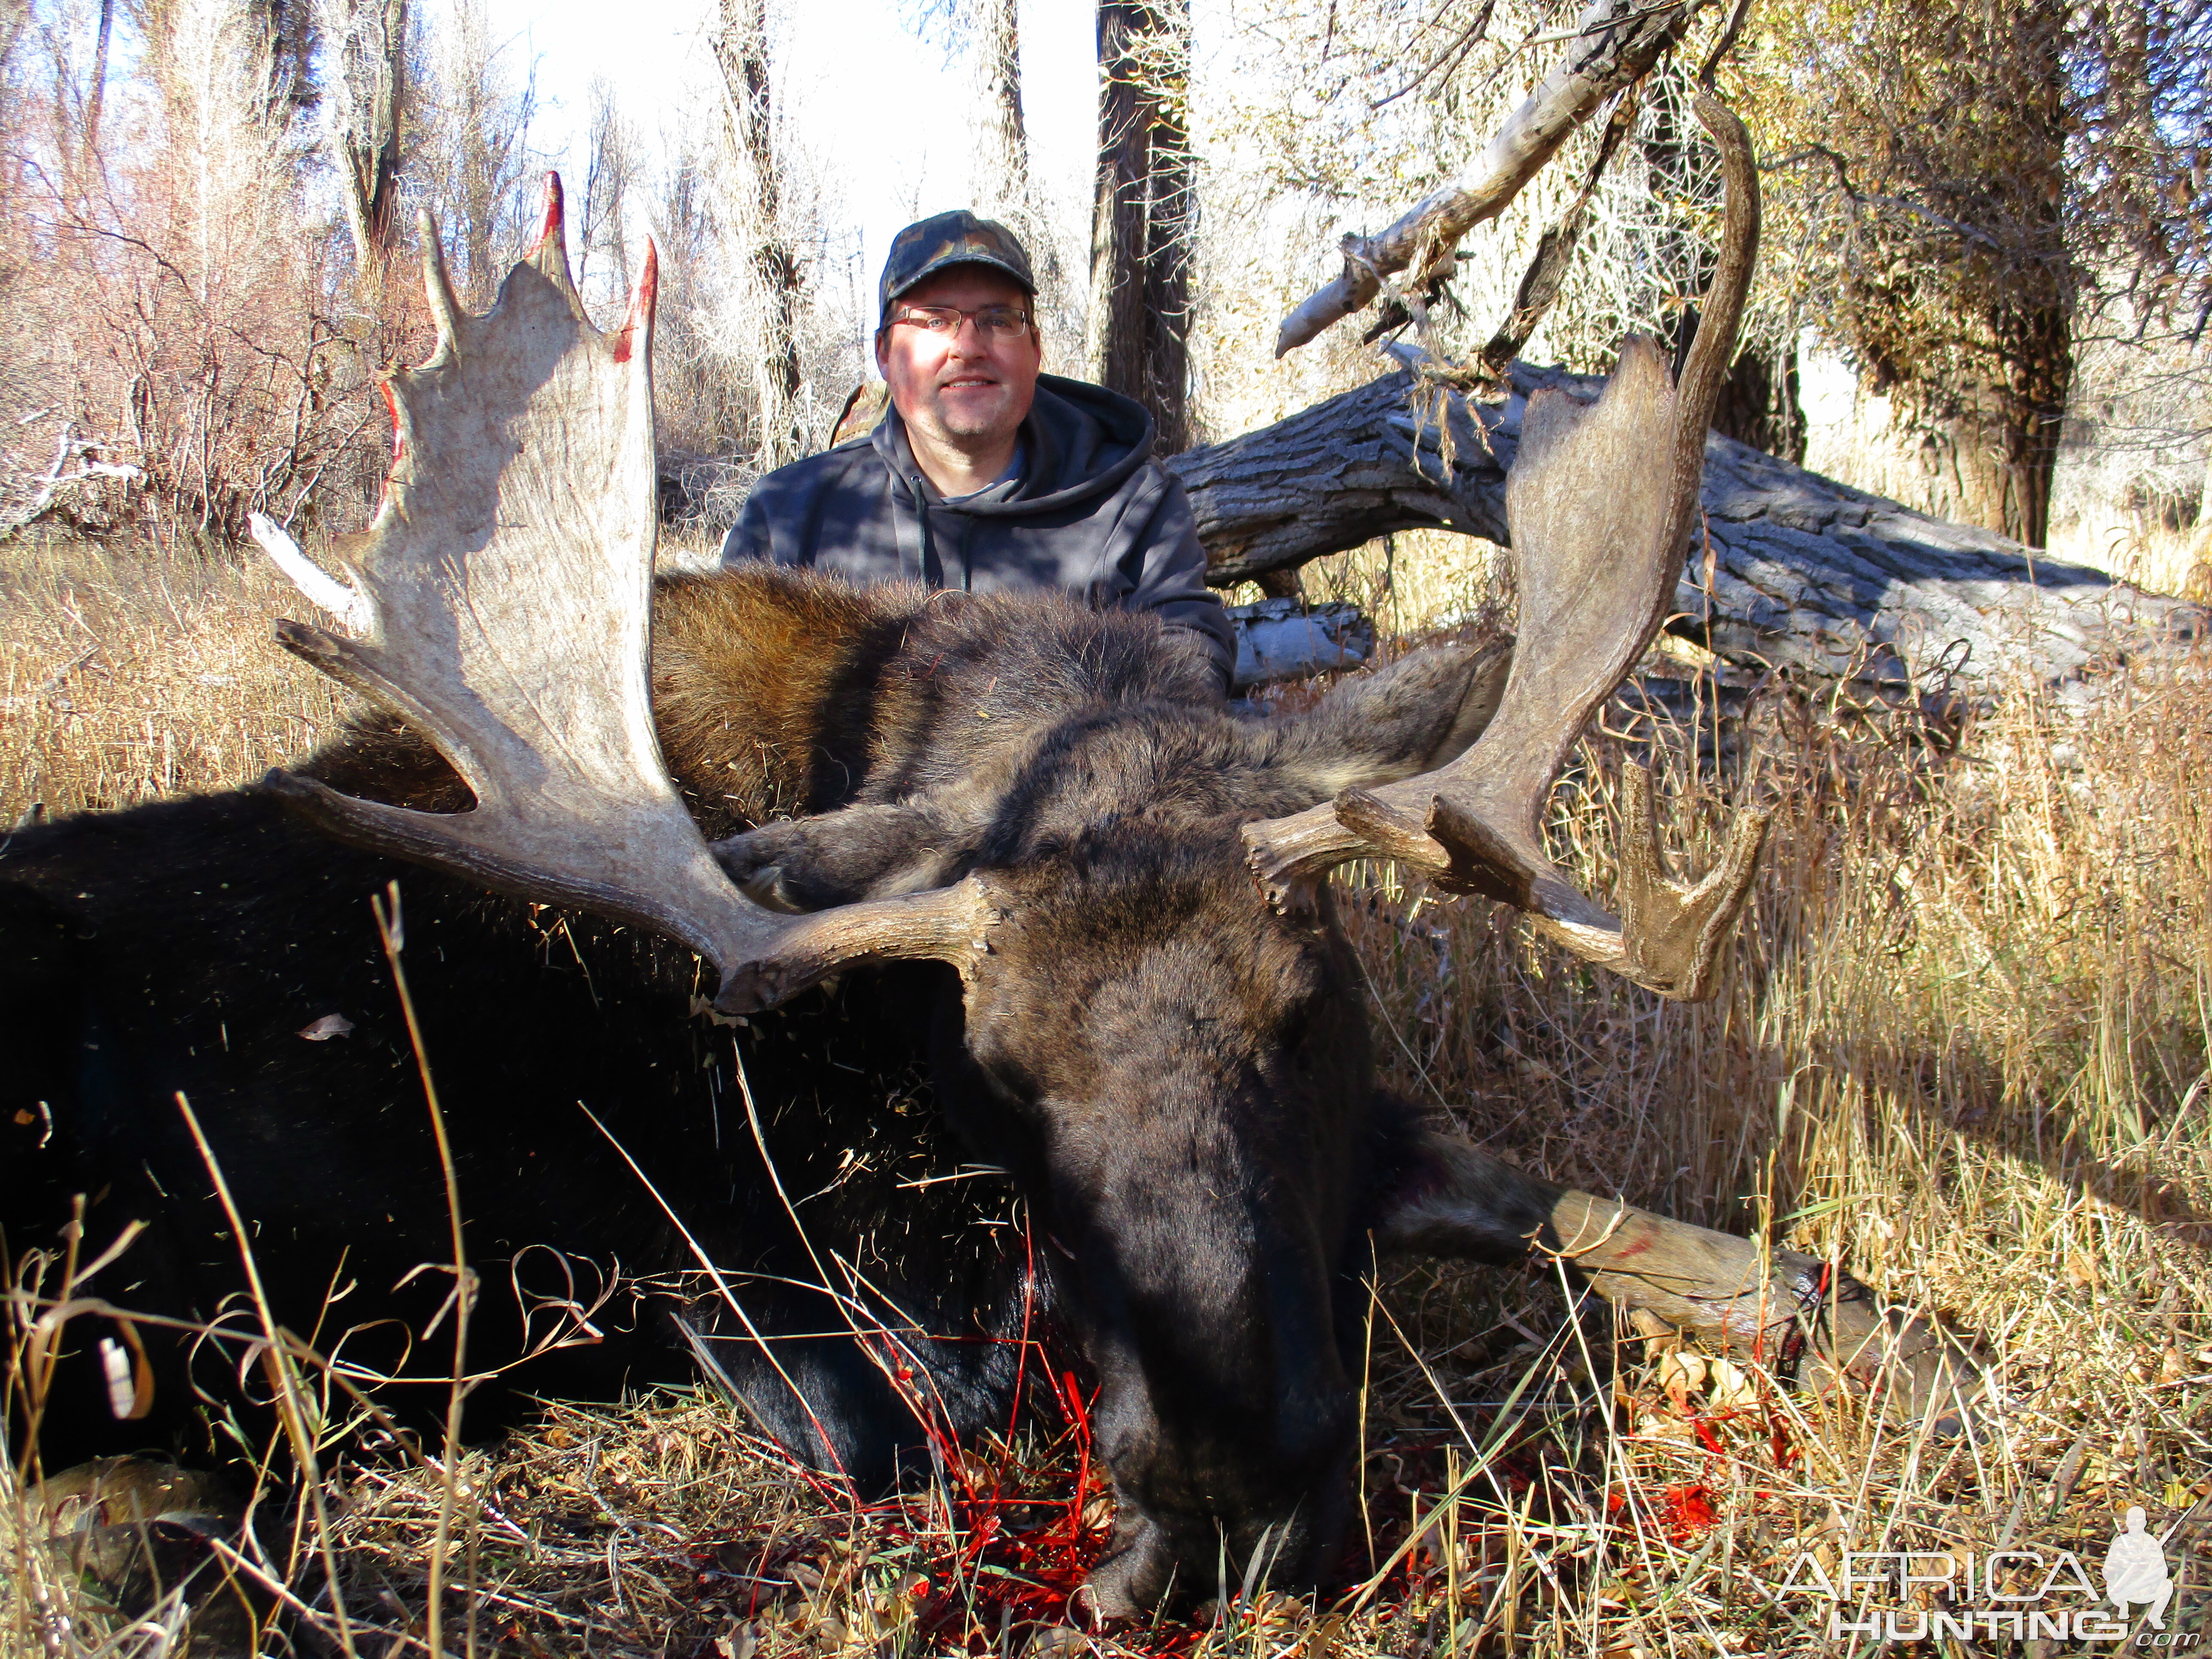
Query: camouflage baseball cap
x=959, y=238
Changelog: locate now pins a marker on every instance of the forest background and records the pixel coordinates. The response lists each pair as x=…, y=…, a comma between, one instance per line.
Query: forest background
x=1986, y=291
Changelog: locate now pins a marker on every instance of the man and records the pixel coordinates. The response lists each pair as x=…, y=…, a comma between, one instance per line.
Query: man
x=985, y=475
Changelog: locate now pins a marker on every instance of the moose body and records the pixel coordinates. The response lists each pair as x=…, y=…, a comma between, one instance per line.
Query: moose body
x=1193, y=1126
x=1077, y=911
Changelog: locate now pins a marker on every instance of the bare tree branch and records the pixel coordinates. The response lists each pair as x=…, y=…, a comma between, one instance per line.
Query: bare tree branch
x=1617, y=41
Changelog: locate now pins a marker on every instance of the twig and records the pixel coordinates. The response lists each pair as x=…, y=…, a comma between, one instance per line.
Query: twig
x=287, y=1378
x=391, y=931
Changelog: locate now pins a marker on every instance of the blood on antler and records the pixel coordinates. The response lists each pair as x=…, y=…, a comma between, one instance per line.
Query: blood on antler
x=505, y=608
x=1601, y=500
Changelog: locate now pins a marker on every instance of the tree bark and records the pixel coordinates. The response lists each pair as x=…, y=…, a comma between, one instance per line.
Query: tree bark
x=95, y=93
x=741, y=52
x=1144, y=211
x=1793, y=571
x=1007, y=136
x=370, y=38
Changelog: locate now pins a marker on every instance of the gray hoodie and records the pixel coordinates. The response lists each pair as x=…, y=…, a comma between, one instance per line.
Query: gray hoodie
x=1089, y=510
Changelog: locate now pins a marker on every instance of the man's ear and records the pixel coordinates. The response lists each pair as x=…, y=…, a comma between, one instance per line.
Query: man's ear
x=1412, y=717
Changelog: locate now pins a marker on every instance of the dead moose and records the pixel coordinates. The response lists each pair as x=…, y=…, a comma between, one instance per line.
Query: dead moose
x=1075, y=912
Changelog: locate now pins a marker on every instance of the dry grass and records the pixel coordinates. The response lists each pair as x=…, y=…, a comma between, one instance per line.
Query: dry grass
x=1962, y=1044
x=2143, y=549
x=128, y=676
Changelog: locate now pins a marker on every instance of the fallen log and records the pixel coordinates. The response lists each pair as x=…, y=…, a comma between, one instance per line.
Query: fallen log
x=1284, y=640
x=1793, y=571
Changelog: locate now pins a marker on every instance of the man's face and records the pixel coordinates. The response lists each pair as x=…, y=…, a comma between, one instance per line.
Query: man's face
x=971, y=389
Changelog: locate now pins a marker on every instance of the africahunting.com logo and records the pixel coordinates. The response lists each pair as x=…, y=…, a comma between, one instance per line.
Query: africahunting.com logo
x=2023, y=1594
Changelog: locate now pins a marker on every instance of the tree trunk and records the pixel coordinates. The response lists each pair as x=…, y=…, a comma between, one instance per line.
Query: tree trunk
x=369, y=37
x=1006, y=136
x=1005, y=189
x=741, y=52
x=2036, y=342
x=1793, y=571
x=1144, y=212
x=89, y=155
x=1759, y=404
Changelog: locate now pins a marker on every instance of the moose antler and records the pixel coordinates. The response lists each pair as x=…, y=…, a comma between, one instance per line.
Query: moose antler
x=506, y=590
x=1600, y=500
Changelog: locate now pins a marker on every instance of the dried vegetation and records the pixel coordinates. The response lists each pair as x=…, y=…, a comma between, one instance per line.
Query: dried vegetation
x=1962, y=1044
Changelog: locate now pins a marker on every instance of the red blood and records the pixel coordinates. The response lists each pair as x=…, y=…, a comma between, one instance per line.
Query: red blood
x=1686, y=1512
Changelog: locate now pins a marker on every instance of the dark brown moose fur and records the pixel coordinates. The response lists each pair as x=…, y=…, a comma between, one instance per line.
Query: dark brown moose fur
x=1176, y=1076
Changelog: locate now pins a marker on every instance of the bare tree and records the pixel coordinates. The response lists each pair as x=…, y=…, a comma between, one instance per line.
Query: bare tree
x=175, y=354
x=755, y=235
x=367, y=40
x=612, y=166
x=1144, y=211
x=1006, y=189
x=1616, y=42
x=479, y=128
x=285, y=51
x=95, y=93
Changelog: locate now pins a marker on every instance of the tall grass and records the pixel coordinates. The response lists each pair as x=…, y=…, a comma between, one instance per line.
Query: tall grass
x=125, y=677
x=1962, y=1044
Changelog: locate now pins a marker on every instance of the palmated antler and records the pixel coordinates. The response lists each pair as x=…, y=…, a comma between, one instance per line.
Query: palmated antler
x=505, y=608
x=1601, y=500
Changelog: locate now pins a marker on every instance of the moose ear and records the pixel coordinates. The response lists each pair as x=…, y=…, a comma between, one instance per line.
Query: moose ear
x=1412, y=717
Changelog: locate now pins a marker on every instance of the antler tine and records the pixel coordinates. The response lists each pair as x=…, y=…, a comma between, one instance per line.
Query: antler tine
x=438, y=284
x=1598, y=535
x=550, y=252
x=509, y=581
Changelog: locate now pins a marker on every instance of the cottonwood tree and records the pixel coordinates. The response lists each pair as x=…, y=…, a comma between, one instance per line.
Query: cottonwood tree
x=763, y=256
x=1974, y=189
x=367, y=89
x=1144, y=212
x=1925, y=142
x=476, y=148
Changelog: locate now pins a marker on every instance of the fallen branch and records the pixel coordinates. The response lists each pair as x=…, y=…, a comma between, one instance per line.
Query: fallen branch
x=1616, y=42
x=1788, y=570
x=46, y=490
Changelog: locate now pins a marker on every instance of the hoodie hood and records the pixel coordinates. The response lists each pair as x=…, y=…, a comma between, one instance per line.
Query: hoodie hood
x=1081, y=443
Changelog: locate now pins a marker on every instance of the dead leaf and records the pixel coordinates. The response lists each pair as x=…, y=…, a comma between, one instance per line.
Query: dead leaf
x=1680, y=1376
x=1728, y=1384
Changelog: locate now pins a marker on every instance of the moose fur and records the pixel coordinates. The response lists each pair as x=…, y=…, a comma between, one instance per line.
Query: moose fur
x=1174, y=1075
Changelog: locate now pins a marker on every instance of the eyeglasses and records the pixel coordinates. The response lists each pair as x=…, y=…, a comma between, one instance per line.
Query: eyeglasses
x=992, y=322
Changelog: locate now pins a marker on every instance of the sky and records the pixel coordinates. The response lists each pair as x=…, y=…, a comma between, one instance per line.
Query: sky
x=885, y=117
